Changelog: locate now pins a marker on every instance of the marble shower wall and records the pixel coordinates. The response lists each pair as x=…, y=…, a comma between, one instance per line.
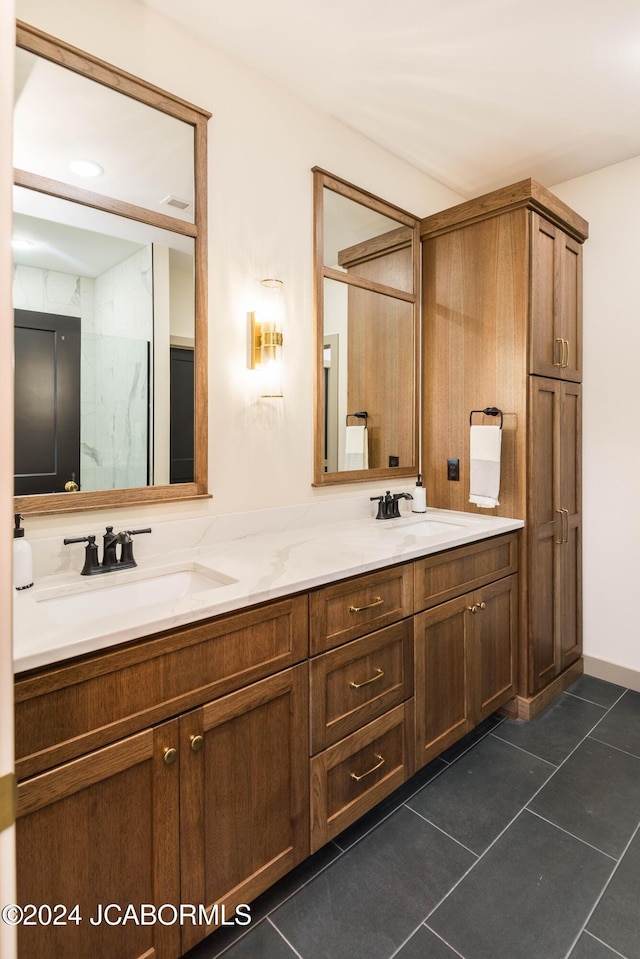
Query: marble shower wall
x=116, y=369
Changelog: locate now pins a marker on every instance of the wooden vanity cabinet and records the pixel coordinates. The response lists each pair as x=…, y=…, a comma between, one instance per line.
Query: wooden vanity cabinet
x=465, y=646
x=502, y=316
x=244, y=796
x=211, y=806
x=361, y=696
x=200, y=765
x=102, y=829
x=465, y=664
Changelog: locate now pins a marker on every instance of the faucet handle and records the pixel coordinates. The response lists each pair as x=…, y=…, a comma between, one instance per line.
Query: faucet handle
x=126, y=552
x=381, y=507
x=91, y=562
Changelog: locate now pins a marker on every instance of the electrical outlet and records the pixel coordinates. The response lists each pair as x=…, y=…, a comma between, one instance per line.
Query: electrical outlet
x=453, y=470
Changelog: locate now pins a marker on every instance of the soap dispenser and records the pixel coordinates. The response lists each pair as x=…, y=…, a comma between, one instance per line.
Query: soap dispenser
x=419, y=497
x=22, y=559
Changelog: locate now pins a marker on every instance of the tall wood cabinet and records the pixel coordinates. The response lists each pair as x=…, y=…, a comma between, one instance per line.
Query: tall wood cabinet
x=502, y=326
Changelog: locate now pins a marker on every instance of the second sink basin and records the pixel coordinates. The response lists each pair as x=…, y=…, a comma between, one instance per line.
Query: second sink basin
x=425, y=527
x=105, y=599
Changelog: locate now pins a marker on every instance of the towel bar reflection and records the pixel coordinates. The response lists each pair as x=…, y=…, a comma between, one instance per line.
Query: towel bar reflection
x=489, y=411
x=362, y=416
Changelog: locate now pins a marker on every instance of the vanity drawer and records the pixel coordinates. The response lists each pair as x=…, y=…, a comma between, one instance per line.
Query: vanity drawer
x=354, y=607
x=444, y=576
x=64, y=711
x=363, y=679
x=353, y=775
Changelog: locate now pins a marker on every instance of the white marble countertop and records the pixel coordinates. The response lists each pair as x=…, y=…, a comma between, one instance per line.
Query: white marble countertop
x=254, y=564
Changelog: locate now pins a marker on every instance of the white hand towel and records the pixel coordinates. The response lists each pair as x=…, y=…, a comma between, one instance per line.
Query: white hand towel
x=484, y=482
x=356, y=451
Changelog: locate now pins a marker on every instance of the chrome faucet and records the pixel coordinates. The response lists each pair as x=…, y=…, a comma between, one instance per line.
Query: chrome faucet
x=110, y=542
x=388, y=505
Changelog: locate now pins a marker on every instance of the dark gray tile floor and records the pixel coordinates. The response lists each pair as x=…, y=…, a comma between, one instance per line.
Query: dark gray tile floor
x=520, y=842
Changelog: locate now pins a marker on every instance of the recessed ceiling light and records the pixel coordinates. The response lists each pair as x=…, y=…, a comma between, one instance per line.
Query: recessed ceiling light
x=21, y=243
x=86, y=168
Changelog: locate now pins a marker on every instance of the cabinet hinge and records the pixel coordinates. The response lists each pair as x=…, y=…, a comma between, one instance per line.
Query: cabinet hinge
x=8, y=800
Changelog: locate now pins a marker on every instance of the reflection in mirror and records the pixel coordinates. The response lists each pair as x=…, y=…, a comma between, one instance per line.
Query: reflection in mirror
x=110, y=296
x=364, y=377
x=366, y=243
x=144, y=156
x=366, y=333
x=130, y=288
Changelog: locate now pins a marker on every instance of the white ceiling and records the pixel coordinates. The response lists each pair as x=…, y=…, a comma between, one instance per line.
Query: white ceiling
x=476, y=93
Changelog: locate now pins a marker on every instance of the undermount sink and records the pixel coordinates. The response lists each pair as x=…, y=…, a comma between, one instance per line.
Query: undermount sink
x=105, y=599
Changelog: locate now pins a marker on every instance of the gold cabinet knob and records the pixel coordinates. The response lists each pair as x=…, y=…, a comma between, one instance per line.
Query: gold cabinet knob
x=483, y=605
x=170, y=755
x=472, y=609
x=197, y=742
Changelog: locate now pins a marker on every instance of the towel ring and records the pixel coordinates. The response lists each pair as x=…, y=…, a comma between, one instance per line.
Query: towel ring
x=362, y=415
x=489, y=411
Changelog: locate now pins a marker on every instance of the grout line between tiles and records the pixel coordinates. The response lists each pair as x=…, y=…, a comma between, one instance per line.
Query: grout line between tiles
x=282, y=936
x=341, y=852
x=433, y=933
x=526, y=751
x=418, y=789
x=443, y=831
x=520, y=811
x=585, y=700
x=614, y=952
x=602, y=892
x=611, y=746
x=573, y=836
x=447, y=944
x=409, y=937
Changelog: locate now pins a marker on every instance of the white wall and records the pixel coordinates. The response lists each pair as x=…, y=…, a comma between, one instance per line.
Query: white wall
x=610, y=200
x=263, y=142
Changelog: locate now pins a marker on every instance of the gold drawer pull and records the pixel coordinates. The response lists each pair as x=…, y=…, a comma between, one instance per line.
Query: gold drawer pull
x=378, y=601
x=369, y=771
x=563, y=362
x=379, y=674
x=170, y=755
x=197, y=742
x=560, y=363
x=564, y=535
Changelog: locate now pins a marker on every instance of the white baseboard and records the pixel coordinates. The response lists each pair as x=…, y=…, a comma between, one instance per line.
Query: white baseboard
x=620, y=675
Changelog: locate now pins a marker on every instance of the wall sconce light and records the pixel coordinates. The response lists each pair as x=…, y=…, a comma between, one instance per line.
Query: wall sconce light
x=265, y=338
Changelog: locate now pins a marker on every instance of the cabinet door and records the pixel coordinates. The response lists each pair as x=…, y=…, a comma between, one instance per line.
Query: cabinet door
x=441, y=677
x=556, y=302
x=102, y=830
x=569, y=606
x=555, y=596
x=244, y=800
x=492, y=653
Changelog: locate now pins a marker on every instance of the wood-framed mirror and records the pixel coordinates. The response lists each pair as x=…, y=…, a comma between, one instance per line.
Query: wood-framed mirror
x=367, y=276
x=110, y=285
